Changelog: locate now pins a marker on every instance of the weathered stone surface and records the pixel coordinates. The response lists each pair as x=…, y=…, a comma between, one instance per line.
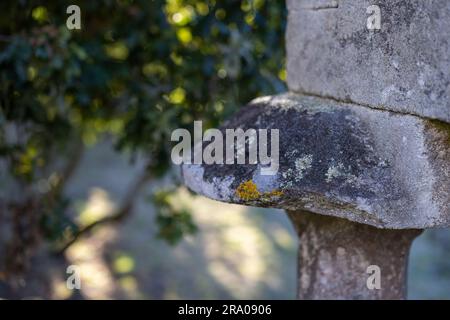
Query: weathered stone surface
x=369, y=166
x=404, y=67
x=335, y=255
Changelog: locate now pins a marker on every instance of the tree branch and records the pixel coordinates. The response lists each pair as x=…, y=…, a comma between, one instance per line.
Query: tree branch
x=123, y=212
x=69, y=169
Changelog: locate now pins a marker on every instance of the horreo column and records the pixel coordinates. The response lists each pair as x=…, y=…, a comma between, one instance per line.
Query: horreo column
x=364, y=142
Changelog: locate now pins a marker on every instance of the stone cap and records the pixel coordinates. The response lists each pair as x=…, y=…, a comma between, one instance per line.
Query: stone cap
x=369, y=166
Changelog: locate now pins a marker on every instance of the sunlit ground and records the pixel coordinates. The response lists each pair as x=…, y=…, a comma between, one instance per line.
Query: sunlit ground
x=239, y=252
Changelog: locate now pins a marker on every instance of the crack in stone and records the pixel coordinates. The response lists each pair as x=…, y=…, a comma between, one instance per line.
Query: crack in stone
x=349, y=101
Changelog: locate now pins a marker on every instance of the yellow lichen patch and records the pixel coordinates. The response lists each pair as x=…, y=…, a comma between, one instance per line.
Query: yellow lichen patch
x=249, y=191
x=269, y=196
x=274, y=193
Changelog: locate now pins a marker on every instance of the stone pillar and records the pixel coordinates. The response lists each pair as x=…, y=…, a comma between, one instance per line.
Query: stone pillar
x=401, y=67
x=340, y=259
x=364, y=149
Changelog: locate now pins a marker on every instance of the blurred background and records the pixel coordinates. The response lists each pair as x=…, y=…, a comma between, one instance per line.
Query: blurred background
x=85, y=171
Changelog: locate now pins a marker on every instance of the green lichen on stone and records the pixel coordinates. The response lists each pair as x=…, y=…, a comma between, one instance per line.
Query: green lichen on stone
x=336, y=171
x=301, y=165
